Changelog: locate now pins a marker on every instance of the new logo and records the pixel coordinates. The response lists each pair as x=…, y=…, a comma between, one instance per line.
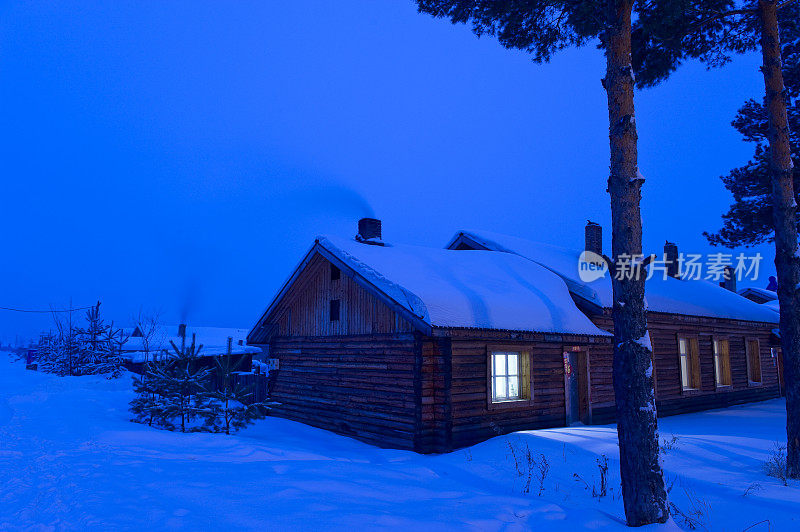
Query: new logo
x=591, y=267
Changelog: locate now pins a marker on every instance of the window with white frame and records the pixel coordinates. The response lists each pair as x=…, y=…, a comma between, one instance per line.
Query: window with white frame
x=506, y=373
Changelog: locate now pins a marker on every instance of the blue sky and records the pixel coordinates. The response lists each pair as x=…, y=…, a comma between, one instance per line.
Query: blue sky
x=182, y=156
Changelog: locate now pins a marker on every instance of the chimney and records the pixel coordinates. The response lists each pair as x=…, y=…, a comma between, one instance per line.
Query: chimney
x=369, y=231
x=729, y=279
x=182, y=330
x=671, y=259
x=594, y=237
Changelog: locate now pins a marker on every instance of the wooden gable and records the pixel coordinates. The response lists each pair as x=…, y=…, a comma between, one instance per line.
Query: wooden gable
x=324, y=299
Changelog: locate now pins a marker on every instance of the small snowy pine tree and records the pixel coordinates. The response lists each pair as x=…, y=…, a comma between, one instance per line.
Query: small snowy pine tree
x=99, y=346
x=60, y=352
x=232, y=400
x=44, y=351
x=180, y=388
x=146, y=406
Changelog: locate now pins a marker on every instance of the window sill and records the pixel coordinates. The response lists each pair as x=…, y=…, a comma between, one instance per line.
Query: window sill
x=691, y=391
x=724, y=387
x=510, y=403
x=755, y=384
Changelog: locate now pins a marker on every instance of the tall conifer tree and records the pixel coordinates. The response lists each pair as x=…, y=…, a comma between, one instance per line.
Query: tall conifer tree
x=542, y=28
x=711, y=30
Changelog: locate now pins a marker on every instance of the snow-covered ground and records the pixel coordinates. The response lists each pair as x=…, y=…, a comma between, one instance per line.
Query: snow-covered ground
x=70, y=459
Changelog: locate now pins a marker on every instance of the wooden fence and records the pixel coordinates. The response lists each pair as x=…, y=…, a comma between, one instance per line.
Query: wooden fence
x=258, y=384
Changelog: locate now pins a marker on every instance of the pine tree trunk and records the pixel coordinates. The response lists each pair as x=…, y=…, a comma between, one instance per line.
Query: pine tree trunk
x=227, y=416
x=643, y=493
x=784, y=215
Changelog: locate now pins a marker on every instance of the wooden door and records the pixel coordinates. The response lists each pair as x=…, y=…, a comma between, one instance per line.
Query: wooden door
x=779, y=361
x=576, y=387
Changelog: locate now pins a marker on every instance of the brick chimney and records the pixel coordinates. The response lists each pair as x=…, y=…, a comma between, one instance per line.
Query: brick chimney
x=594, y=237
x=671, y=260
x=729, y=279
x=369, y=231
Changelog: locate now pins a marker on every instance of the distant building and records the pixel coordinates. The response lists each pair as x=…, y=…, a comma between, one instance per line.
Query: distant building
x=158, y=345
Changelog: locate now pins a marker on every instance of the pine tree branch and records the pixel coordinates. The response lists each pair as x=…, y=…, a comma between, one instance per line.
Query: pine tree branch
x=720, y=15
x=723, y=15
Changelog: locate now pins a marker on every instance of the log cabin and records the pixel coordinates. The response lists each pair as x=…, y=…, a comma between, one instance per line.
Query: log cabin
x=434, y=349
x=712, y=348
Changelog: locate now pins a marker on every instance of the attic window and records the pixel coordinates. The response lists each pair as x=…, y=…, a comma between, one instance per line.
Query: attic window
x=335, y=309
x=336, y=273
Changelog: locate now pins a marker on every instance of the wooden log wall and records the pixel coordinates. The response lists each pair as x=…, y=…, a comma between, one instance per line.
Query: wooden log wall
x=474, y=419
x=435, y=428
x=360, y=386
x=670, y=398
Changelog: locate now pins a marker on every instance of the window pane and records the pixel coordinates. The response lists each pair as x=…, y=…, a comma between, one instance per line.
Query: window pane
x=513, y=364
x=684, y=371
x=513, y=387
x=682, y=346
x=500, y=388
x=717, y=368
x=499, y=364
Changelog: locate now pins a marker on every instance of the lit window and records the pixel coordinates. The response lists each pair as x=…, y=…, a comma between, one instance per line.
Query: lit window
x=510, y=376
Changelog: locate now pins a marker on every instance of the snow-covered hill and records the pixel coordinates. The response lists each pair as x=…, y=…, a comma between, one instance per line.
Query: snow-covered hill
x=71, y=460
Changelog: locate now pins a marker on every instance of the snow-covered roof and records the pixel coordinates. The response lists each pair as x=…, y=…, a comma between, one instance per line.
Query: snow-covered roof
x=675, y=296
x=213, y=339
x=772, y=305
x=474, y=289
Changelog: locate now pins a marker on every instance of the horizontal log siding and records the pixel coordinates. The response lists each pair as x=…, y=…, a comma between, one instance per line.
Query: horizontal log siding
x=473, y=420
x=601, y=384
x=359, y=386
x=435, y=427
x=670, y=398
x=305, y=309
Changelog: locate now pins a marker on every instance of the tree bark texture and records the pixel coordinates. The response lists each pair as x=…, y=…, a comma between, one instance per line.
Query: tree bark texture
x=643, y=492
x=784, y=210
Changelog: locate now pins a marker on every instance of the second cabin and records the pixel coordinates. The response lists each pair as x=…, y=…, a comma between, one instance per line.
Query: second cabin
x=433, y=349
